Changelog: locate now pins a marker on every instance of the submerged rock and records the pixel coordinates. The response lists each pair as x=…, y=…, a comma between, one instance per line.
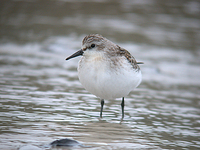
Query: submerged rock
x=66, y=143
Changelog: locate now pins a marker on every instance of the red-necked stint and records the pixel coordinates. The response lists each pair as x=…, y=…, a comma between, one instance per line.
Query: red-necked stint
x=107, y=70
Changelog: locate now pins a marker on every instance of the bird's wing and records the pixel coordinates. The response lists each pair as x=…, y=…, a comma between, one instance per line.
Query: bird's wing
x=123, y=52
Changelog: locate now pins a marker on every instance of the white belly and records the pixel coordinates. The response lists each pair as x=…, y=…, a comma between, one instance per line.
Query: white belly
x=108, y=83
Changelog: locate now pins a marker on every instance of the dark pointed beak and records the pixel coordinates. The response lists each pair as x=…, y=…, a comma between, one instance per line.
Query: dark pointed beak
x=78, y=53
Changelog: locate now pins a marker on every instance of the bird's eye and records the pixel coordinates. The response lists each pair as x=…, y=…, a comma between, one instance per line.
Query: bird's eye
x=92, y=45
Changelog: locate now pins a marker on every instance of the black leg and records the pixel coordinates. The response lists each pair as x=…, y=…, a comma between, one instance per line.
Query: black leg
x=102, y=103
x=122, y=105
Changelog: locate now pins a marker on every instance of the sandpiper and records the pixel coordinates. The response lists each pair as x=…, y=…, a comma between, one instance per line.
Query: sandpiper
x=106, y=69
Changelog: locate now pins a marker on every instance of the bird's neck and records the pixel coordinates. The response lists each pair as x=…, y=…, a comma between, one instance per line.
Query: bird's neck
x=94, y=56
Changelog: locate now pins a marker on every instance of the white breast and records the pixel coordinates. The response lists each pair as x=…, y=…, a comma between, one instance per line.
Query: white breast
x=99, y=78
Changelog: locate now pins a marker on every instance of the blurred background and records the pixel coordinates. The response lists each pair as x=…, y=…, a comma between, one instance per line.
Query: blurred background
x=152, y=22
x=42, y=100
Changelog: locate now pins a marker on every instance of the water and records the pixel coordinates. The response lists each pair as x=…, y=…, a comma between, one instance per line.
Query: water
x=42, y=99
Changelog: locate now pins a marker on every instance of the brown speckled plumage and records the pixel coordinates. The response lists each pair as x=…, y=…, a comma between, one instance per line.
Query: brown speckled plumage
x=92, y=37
x=112, y=47
x=129, y=57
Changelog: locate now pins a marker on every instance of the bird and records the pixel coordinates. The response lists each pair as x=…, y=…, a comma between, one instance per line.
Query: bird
x=107, y=70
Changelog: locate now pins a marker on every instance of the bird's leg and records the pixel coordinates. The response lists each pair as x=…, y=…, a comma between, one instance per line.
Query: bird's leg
x=102, y=103
x=122, y=105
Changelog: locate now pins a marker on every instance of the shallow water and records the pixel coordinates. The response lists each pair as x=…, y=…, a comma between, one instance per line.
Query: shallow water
x=42, y=99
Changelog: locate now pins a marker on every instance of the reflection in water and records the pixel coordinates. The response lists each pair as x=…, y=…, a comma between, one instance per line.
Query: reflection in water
x=42, y=99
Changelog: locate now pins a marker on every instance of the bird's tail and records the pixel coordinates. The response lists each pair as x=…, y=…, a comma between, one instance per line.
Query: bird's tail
x=140, y=63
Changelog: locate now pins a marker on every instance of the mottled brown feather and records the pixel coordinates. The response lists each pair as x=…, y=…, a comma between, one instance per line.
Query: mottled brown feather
x=113, y=48
x=129, y=57
x=92, y=37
